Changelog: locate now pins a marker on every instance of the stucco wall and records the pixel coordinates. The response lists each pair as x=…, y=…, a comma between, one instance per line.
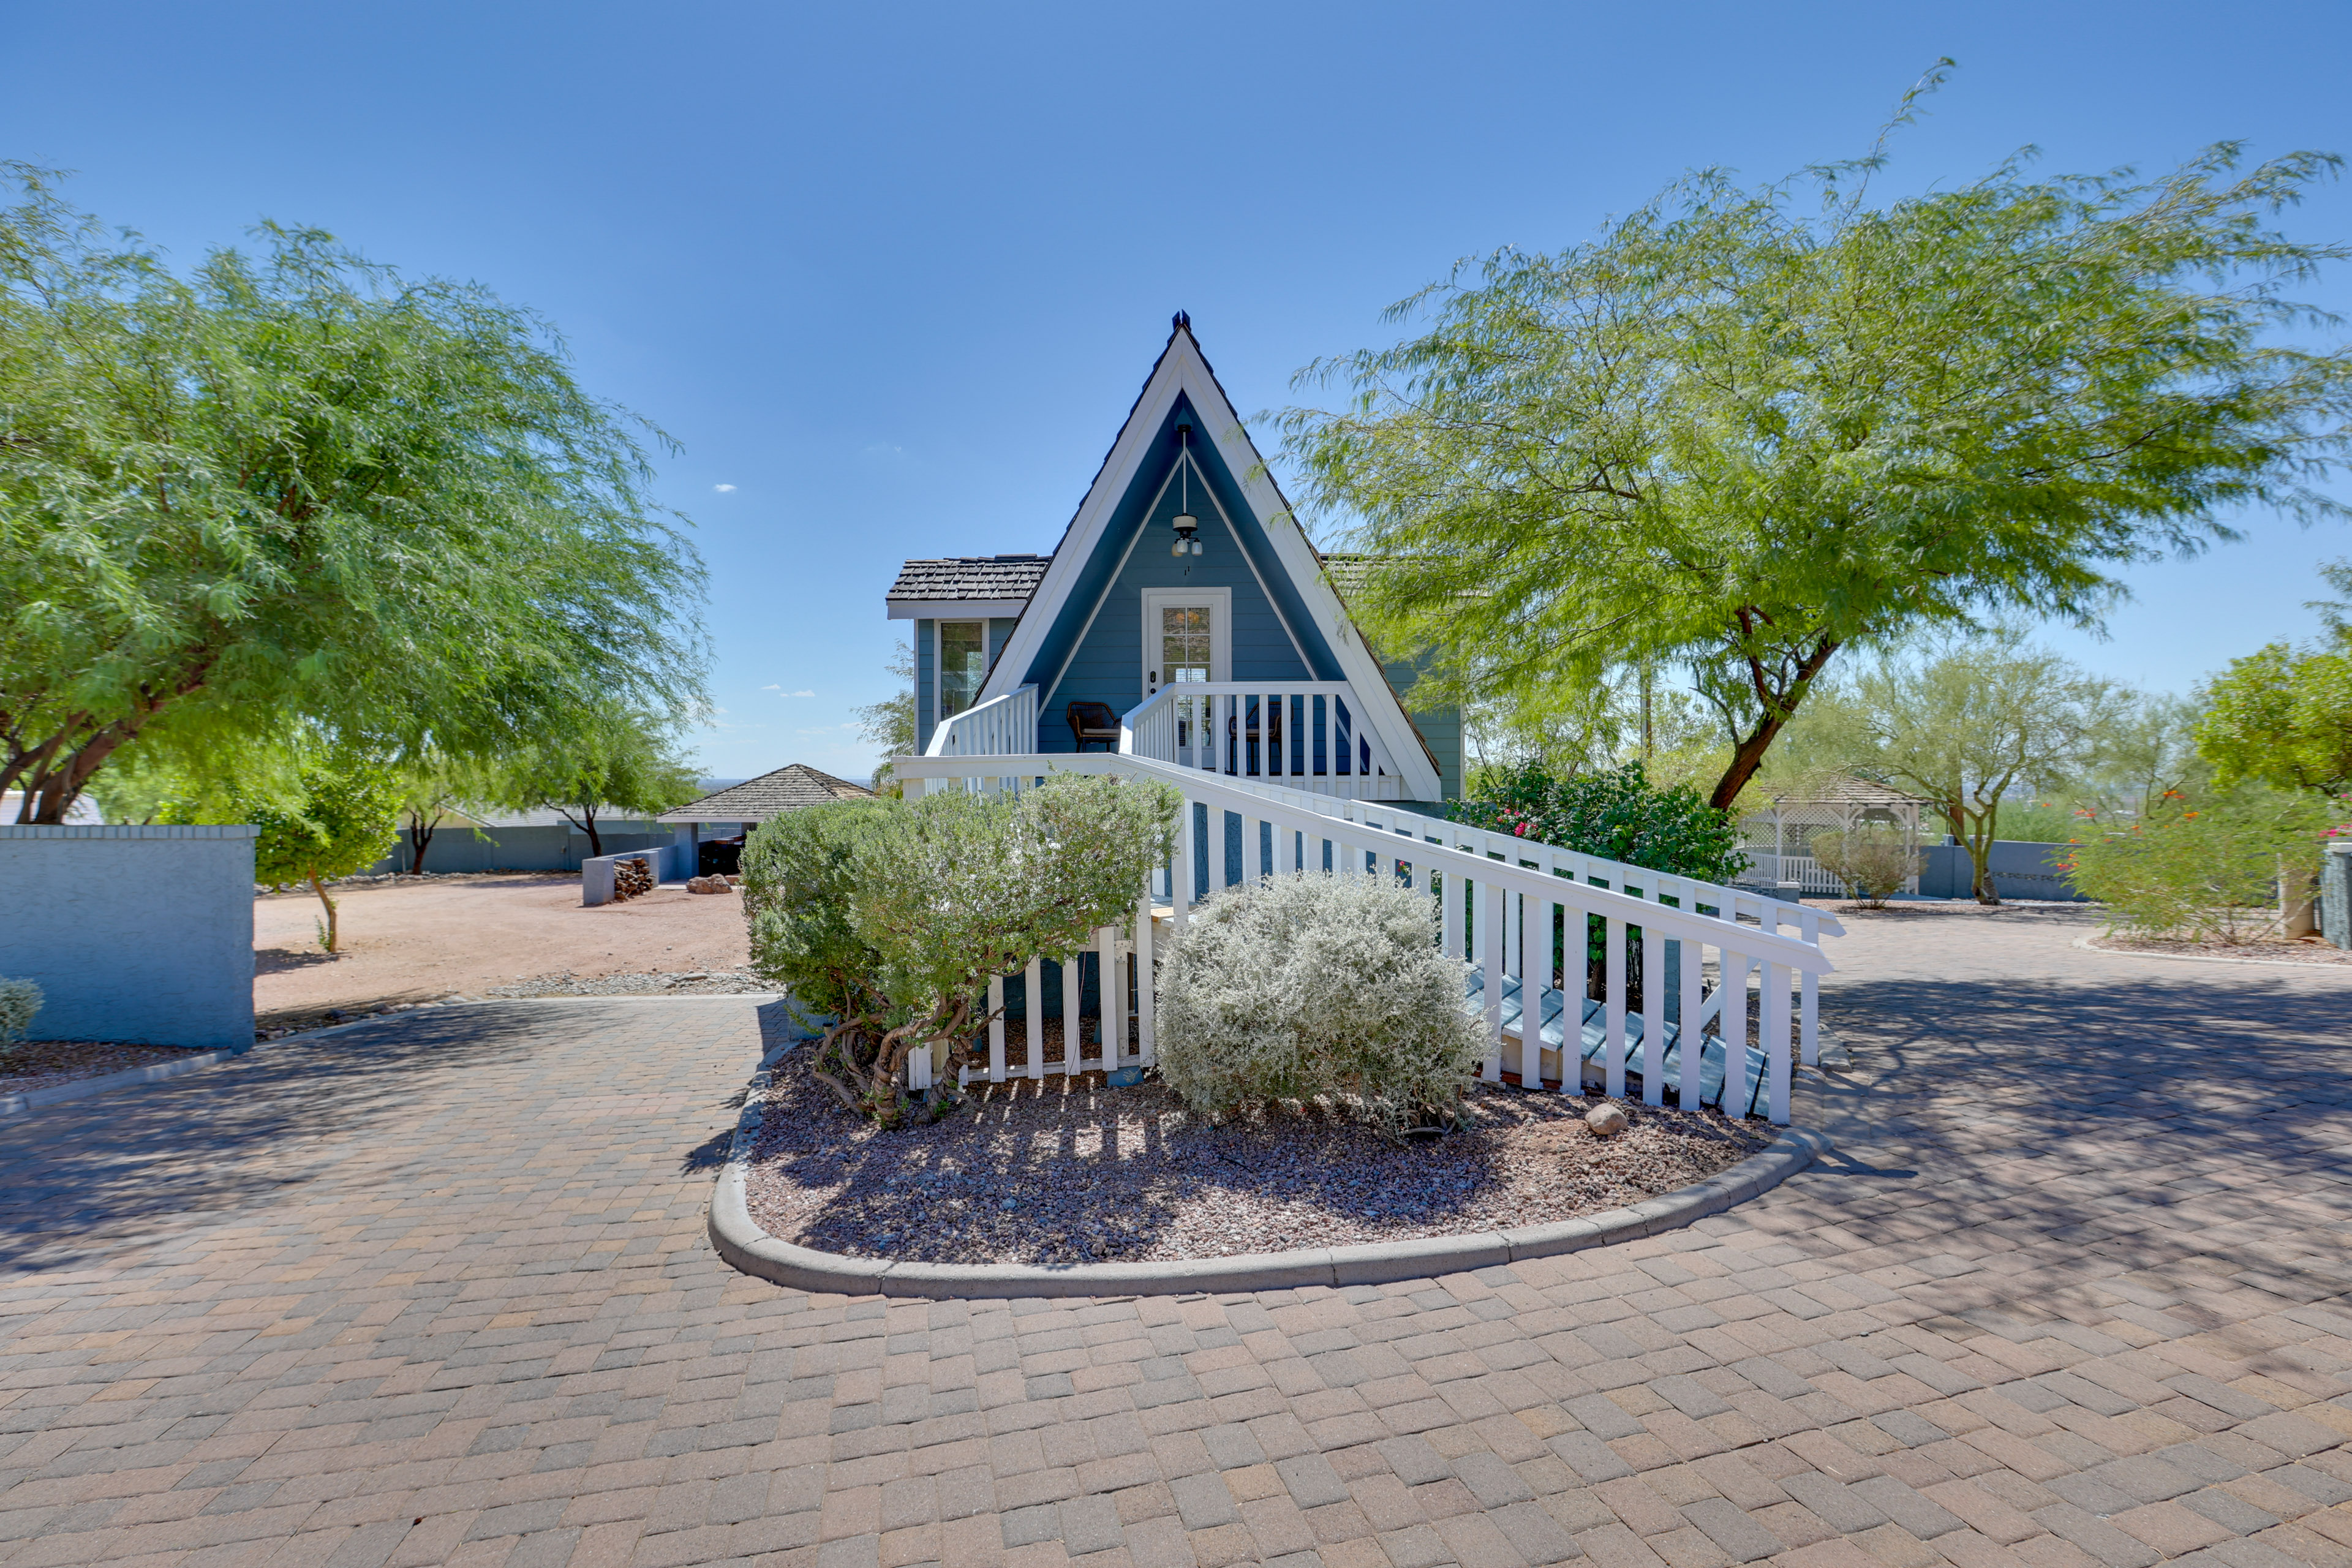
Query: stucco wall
x=134, y=933
x=456, y=848
x=2020, y=869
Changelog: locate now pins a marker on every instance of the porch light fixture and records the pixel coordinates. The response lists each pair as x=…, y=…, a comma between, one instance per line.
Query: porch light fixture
x=1186, y=524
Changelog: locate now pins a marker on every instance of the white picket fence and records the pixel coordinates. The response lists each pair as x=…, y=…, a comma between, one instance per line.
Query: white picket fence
x=1307, y=735
x=1512, y=894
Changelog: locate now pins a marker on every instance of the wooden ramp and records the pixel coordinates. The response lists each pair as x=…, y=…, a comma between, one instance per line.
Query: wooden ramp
x=1591, y=1049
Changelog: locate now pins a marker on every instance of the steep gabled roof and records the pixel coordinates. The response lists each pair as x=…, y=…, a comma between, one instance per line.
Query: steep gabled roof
x=968, y=579
x=1182, y=374
x=755, y=800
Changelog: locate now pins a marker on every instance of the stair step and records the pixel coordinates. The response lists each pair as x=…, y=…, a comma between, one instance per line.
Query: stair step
x=1593, y=1042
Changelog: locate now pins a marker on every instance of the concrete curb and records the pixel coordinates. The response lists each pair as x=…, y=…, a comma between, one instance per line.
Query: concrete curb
x=2085, y=943
x=741, y=1242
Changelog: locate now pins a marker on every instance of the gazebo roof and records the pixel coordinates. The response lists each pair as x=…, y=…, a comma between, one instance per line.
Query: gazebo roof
x=755, y=800
x=1845, y=790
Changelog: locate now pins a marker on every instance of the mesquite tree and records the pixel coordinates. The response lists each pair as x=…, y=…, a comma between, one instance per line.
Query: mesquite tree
x=298, y=490
x=891, y=917
x=1742, y=431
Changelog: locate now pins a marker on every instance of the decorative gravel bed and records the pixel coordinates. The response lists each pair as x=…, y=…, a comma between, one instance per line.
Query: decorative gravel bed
x=29, y=1064
x=1074, y=1172
x=2313, y=951
x=684, y=983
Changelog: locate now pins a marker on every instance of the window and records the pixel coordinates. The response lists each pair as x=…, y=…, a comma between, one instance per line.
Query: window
x=1184, y=645
x=963, y=665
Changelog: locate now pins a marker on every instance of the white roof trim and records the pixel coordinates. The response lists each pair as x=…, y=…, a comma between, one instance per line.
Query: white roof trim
x=956, y=610
x=1183, y=370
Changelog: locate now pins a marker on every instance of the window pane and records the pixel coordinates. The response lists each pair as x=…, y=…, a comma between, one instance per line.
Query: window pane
x=1184, y=643
x=963, y=664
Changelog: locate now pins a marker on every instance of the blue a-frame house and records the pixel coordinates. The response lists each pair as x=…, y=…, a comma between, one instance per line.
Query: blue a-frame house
x=1183, y=568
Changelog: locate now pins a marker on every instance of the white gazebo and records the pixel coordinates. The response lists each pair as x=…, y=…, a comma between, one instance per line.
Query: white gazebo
x=1778, y=840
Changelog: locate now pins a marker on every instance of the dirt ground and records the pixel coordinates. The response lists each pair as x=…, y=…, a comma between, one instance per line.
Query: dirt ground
x=419, y=941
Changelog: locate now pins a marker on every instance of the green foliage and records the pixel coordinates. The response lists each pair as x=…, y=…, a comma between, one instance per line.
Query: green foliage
x=1874, y=861
x=20, y=1003
x=890, y=723
x=602, y=756
x=335, y=813
x=1741, y=431
x=298, y=490
x=1619, y=815
x=1967, y=724
x=799, y=888
x=2210, y=871
x=1311, y=986
x=898, y=916
x=2281, y=717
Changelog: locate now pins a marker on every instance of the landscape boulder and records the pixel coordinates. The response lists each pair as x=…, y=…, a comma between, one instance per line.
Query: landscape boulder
x=1606, y=1121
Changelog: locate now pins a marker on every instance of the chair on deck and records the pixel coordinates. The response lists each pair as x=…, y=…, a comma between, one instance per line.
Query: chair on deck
x=1093, y=721
x=1239, y=731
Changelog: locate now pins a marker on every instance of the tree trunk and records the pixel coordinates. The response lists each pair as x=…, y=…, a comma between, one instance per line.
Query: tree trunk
x=319, y=887
x=420, y=839
x=1979, y=840
x=1778, y=708
x=588, y=822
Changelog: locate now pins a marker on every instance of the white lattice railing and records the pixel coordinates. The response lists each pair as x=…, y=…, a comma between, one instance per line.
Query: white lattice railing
x=1501, y=901
x=1002, y=726
x=1310, y=736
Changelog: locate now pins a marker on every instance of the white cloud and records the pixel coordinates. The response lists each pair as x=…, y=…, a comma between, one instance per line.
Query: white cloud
x=724, y=489
x=781, y=692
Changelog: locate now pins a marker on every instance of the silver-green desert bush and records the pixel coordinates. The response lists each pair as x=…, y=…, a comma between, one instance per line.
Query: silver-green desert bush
x=20, y=1001
x=1313, y=985
x=890, y=917
x=1874, y=861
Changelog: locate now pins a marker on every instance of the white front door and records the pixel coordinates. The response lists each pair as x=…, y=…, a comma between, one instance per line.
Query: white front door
x=1187, y=635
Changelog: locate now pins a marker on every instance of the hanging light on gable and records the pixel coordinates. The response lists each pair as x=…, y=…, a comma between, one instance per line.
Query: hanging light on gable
x=1186, y=524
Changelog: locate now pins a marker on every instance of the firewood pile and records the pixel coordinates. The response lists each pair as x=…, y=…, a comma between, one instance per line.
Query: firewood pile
x=631, y=879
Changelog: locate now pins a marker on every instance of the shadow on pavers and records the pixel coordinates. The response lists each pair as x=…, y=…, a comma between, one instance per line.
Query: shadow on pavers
x=78, y=1178
x=2119, y=1095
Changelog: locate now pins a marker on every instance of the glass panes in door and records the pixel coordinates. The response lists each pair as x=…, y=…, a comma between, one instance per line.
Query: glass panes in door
x=1184, y=643
x=963, y=664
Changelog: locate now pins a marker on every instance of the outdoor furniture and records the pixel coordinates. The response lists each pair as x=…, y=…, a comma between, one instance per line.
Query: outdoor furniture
x=1238, y=732
x=1093, y=721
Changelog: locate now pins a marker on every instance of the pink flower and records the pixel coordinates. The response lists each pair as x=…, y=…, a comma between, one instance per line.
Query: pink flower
x=1521, y=830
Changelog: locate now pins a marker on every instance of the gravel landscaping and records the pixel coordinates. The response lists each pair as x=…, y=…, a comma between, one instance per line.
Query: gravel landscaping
x=29, y=1064
x=1057, y=1171
x=658, y=982
x=2312, y=951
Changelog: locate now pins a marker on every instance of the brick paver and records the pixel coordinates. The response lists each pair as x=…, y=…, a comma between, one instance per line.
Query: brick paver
x=2072, y=1295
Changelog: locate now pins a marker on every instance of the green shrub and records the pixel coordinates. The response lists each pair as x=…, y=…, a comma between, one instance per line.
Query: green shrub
x=1310, y=984
x=1618, y=815
x=798, y=885
x=2204, y=872
x=893, y=916
x=20, y=1000
x=1874, y=861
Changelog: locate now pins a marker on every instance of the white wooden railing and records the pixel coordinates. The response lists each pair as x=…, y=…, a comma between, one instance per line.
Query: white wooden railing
x=1002, y=726
x=1511, y=895
x=1311, y=736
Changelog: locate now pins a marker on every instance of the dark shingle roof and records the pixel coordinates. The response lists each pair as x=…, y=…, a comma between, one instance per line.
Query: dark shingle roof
x=962, y=579
x=756, y=800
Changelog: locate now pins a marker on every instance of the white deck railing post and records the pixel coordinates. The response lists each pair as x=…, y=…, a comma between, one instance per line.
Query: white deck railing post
x=1146, y=999
x=1613, y=934
x=1033, y=981
x=1490, y=956
x=997, y=1030
x=1653, y=1016
x=1774, y=1026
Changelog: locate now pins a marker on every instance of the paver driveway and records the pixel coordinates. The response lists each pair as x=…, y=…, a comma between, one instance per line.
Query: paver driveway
x=437, y=1290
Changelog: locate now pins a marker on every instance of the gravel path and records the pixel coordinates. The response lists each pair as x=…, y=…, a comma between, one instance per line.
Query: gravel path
x=655, y=983
x=1057, y=1171
x=45, y=1064
x=2245, y=952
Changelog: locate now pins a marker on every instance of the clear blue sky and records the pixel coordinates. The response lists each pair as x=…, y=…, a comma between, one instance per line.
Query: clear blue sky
x=894, y=273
